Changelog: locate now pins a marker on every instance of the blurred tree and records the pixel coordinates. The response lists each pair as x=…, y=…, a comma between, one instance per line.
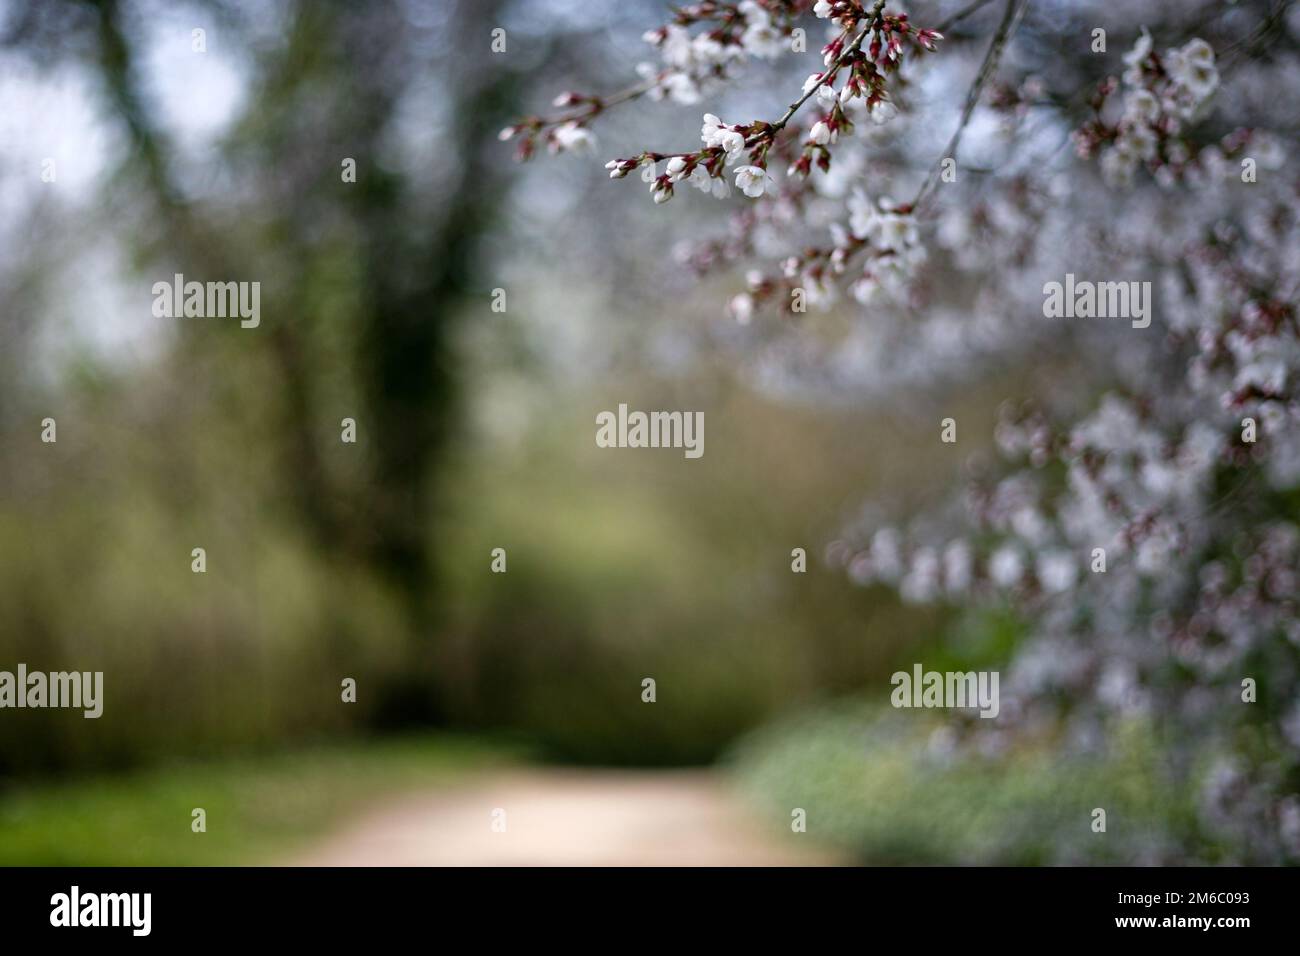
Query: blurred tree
x=362, y=282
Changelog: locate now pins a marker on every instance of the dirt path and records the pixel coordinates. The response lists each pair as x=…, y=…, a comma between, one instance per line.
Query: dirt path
x=566, y=817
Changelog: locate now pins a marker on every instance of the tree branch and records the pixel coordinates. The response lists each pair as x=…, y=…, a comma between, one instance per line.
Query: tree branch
x=1010, y=20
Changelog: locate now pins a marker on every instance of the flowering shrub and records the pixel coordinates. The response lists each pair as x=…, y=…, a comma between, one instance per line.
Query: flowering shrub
x=1144, y=513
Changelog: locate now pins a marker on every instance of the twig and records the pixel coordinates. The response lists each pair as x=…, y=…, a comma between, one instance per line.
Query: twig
x=596, y=105
x=962, y=14
x=1010, y=19
x=1263, y=36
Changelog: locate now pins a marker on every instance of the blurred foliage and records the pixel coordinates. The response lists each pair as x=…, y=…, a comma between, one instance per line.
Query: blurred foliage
x=622, y=565
x=879, y=784
x=640, y=564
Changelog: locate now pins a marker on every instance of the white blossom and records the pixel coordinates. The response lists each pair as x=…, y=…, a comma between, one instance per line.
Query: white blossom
x=1192, y=67
x=716, y=185
x=572, y=138
x=752, y=180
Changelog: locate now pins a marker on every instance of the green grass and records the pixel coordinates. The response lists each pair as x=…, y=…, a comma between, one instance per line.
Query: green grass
x=258, y=808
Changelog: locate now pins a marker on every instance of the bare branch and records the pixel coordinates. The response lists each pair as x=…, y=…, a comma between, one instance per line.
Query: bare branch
x=1010, y=20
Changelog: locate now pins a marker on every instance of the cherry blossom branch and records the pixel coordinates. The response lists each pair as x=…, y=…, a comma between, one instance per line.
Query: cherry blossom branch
x=873, y=22
x=573, y=123
x=866, y=85
x=691, y=62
